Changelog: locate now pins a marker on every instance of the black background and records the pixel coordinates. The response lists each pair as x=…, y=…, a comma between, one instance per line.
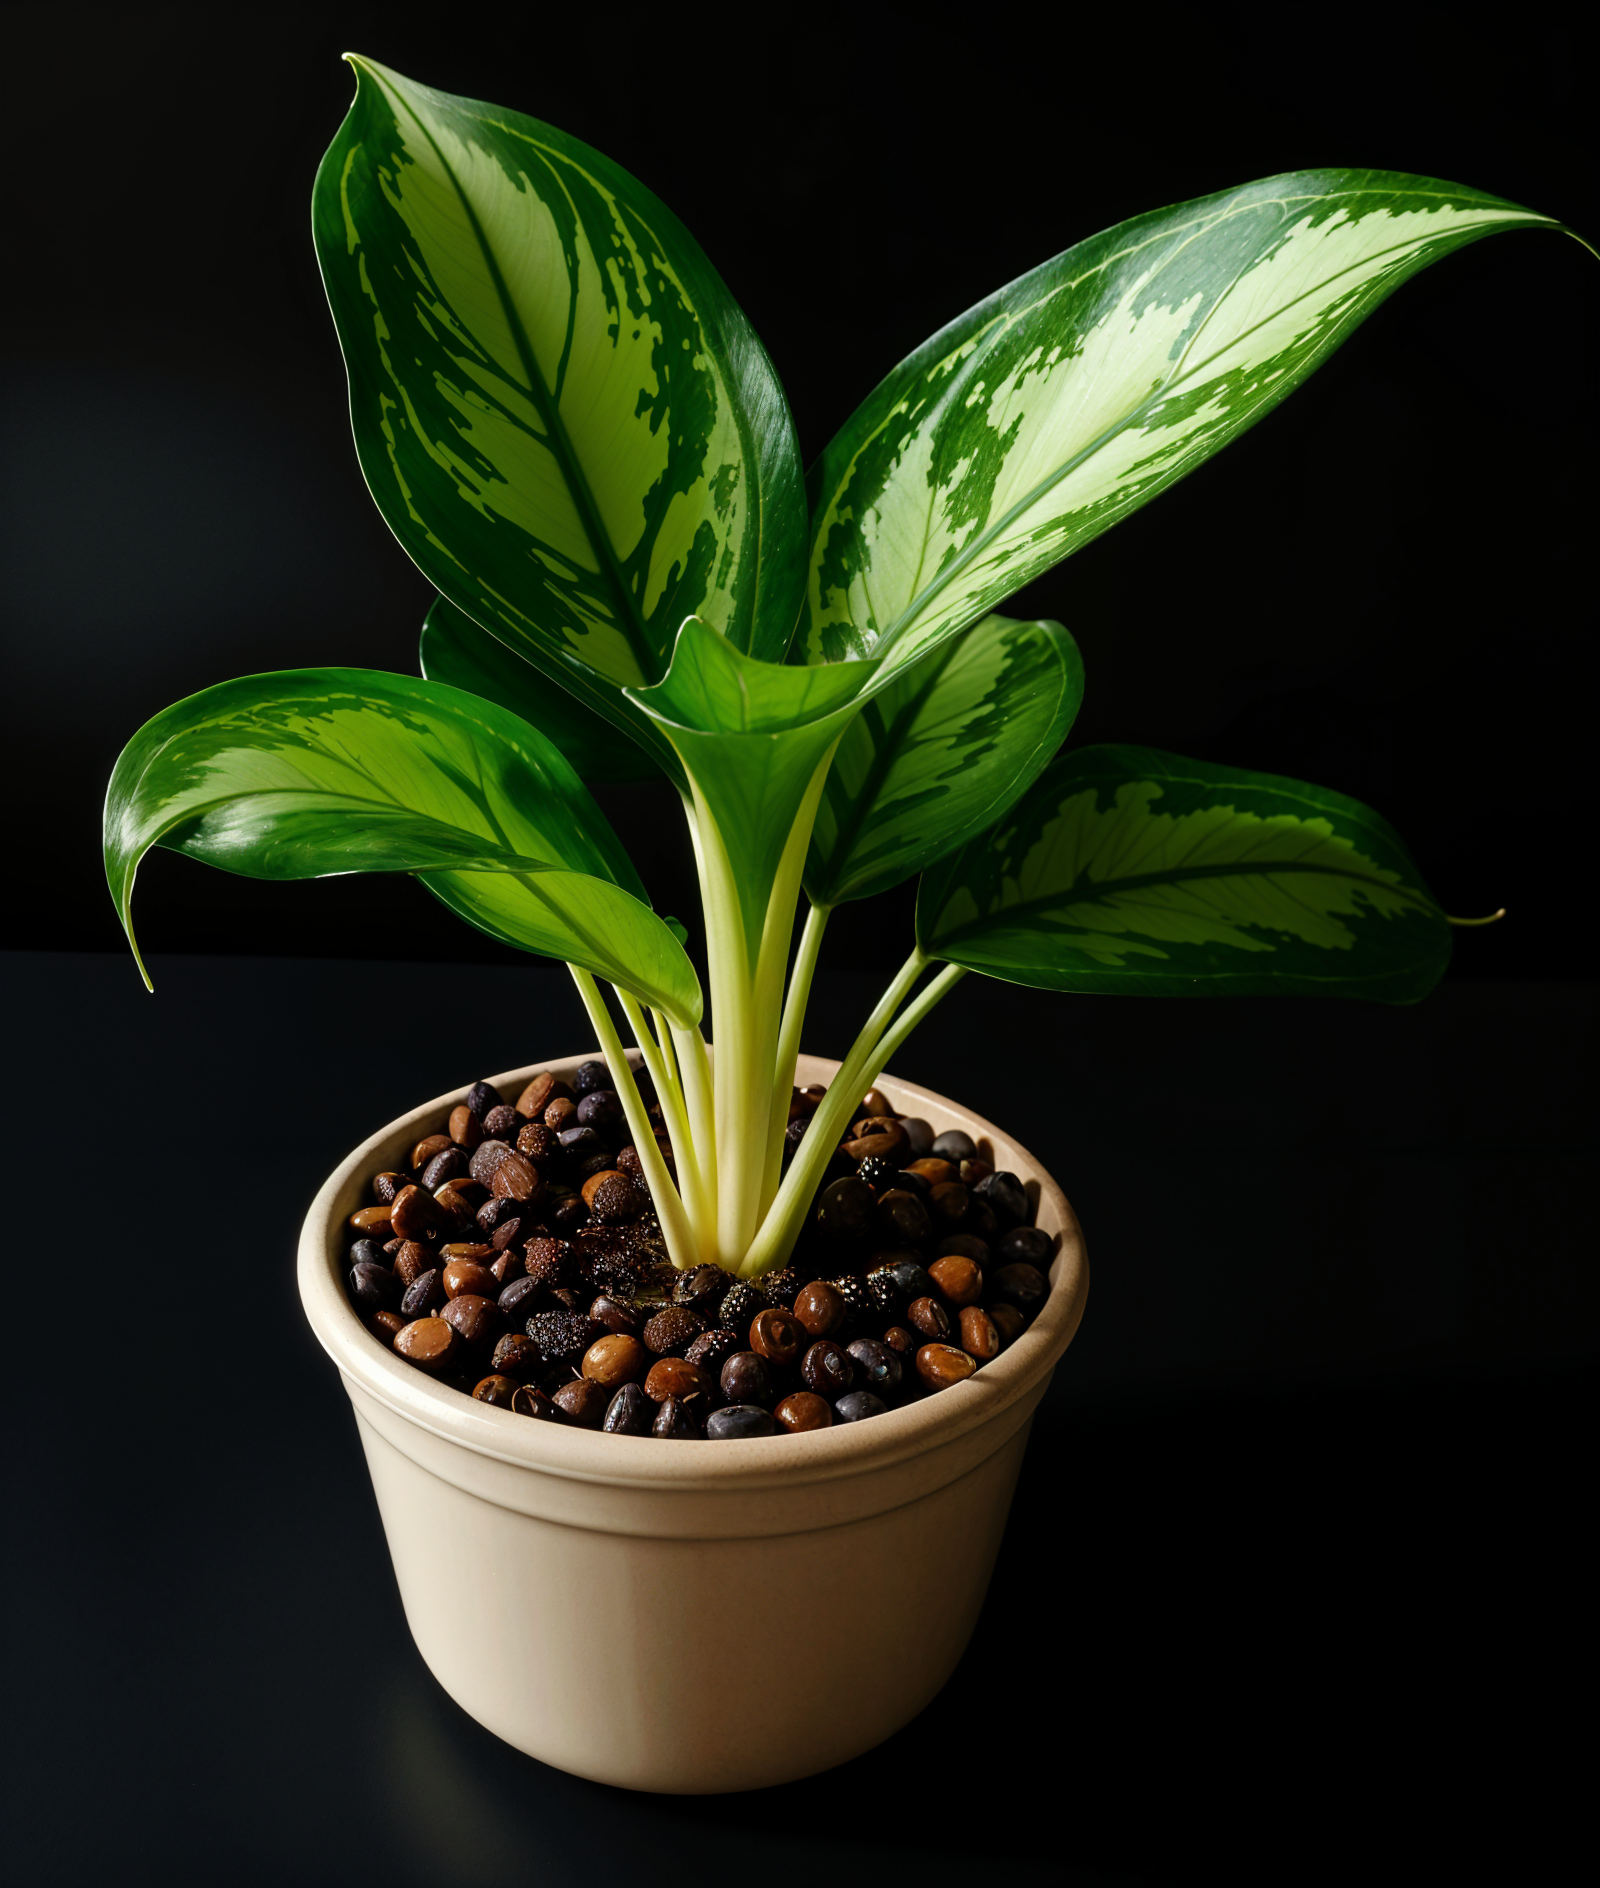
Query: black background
x=1291, y=1587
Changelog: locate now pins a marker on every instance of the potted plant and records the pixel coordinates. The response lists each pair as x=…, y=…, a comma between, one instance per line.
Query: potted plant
x=572, y=429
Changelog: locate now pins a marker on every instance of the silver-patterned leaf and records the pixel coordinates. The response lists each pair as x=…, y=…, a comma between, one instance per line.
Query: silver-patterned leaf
x=1076, y=394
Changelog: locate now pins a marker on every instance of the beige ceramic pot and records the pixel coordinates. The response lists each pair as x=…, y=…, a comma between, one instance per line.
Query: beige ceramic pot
x=601, y=1602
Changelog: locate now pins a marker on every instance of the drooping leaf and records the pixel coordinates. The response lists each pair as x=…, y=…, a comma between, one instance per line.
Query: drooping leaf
x=454, y=650
x=1123, y=869
x=560, y=410
x=751, y=736
x=939, y=752
x=312, y=772
x=1069, y=398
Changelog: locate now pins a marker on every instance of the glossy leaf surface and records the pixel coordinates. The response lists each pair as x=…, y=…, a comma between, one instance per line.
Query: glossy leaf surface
x=311, y=772
x=751, y=735
x=939, y=752
x=1077, y=393
x=454, y=650
x=1123, y=869
x=560, y=410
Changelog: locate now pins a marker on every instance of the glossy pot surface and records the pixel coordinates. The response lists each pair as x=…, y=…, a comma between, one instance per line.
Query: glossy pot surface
x=623, y=1589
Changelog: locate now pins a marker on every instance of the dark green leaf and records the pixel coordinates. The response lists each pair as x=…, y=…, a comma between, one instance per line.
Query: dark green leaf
x=312, y=772
x=1122, y=869
x=939, y=751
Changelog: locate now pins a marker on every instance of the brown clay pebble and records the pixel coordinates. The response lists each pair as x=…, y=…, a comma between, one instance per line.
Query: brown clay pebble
x=497, y=1390
x=674, y=1376
x=979, y=1338
x=459, y=1200
x=371, y=1222
x=949, y=1203
x=779, y=1336
x=465, y=1128
x=804, y=1410
x=386, y=1185
x=592, y=1185
x=712, y=1349
x=485, y=1159
x=414, y=1214
x=552, y=1261
x=388, y=1325
x=501, y=1123
x=900, y=1340
x=426, y=1148
x=878, y=1140
x=410, y=1262
x=516, y=1355
x=478, y=1319
x=1024, y=1286
x=466, y=1249
x=515, y=1178
x=972, y=1171
x=582, y=1402
x=617, y=1200
x=615, y=1359
x=828, y=1369
x=468, y=1275
x=820, y=1308
x=429, y=1343
x=672, y=1330
x=937, y=1173
x=876, y=1102
x=1008, y=1322
x=536, y=1097
x=929, y=1317
x=560, y=1113
x=940, y=1365
x=958, y=1279
x=535, y=1142
x=532, y=1401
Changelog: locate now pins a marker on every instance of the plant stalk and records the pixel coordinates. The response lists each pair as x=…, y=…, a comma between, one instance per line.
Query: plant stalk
x=675, y=1227
x=794, y=1014
x=701, y=1210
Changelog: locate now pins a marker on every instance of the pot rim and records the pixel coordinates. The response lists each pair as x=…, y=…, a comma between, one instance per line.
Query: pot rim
x=753, y=1463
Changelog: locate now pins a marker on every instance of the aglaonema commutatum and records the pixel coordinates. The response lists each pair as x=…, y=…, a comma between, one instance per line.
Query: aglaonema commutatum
x=573, y=430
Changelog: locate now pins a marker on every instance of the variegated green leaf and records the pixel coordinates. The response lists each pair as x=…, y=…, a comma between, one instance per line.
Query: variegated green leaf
x=939, y=752
x=1122, y=869
x=312, y=772
x=1071, y=397
x=560, y=410
x=454, y=650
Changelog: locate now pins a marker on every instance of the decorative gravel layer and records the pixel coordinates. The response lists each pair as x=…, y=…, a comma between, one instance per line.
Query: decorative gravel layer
x=518, y=1260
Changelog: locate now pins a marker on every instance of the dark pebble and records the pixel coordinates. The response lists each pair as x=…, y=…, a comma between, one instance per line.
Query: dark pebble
x=589, y=1077
x=919, y=1133
x=530, y=1400
x=746, y=1378
x=1009, y=1323
x=954, y=1145
x=373, y=1288
x=964, y=1245
x=703, y=1288
x=739, y=1420
x=478, y=1320
x=828, y=1369
x=496, y=1390
x=858, y=1406
x=367, y=1252
x=1005, y=1194
x=779, y=1336
x=877, y=1365
x=929, y=1317
x=676, y=1422
x=482, y=1096
x=516, y=1355
x=520, y=1299
x=821, y=1308
x=1026, y=1245
x=616, y=1316
x=424, y=1294
x=712, y=1349
x=846, y=1209
x=630, y=1412
x=672, y=1330
x=450, y=1165
x=912, y=1278
x=601, y=1110
x=902, y=1219
x=1024, y=1286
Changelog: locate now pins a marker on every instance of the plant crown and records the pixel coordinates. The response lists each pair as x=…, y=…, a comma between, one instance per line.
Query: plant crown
x=571, y=427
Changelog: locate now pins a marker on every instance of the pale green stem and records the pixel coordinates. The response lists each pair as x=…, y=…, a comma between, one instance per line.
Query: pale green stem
x=699, y=1101
x=794, y=1015
x=781, y=1226
x=675, y=1227
x=701, y=1216
x=664, y=1041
